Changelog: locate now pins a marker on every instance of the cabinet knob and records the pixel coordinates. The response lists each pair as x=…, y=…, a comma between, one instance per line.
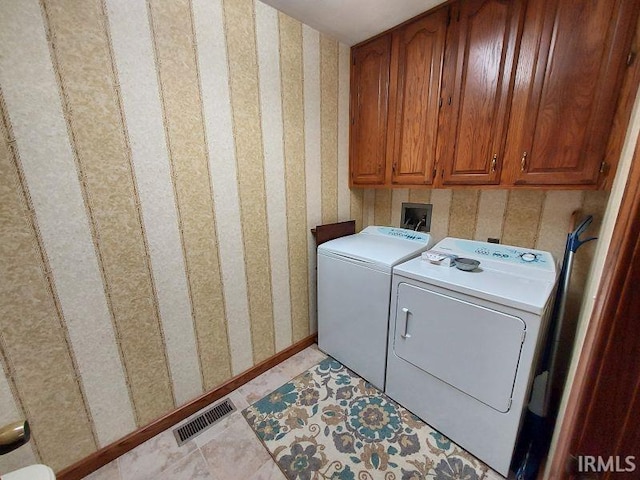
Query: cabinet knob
x=523, y=161
x=494, y=160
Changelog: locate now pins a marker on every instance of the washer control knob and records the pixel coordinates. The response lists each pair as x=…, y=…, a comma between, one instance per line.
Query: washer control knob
x=528, y=257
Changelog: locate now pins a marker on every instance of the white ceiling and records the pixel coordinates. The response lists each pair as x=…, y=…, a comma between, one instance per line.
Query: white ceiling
x=352, y=21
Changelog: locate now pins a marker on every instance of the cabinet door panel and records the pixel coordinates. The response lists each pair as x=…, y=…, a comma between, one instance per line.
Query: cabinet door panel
x=418, y=51
x=484, y=39
x=369, y=103
x=569, y=74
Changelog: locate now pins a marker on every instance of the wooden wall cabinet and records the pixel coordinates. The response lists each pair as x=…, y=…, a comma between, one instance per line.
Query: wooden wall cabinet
x=416, y=70
x=481, y=55
x=510, y=93
x=571, y=66
x=395, y=91
x=369, y=107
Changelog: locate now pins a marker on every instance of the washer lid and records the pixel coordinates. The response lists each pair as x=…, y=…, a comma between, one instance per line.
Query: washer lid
x=378, y=247
x=528, y=293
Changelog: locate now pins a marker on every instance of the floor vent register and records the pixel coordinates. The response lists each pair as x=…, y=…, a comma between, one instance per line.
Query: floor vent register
x=206, y=419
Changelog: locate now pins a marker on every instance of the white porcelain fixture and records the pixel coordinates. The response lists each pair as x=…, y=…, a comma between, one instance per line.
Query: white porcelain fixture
x=463, y=344
x=354, y=286
x=32, y=472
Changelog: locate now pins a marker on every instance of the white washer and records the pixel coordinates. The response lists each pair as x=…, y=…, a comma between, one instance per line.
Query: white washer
x=354, y=287
x=463, y=345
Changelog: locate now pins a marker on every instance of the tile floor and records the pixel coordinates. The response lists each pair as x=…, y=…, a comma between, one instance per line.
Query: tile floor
x=227, y=451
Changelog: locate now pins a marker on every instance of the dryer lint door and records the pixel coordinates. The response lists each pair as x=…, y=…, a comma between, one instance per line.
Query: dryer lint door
x=472, y=348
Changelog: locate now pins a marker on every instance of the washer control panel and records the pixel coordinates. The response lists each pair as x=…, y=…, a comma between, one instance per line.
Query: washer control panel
x=402, y=233
x=502, y=253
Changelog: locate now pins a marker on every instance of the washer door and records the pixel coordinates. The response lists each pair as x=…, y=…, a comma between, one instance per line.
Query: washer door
x=472, y=348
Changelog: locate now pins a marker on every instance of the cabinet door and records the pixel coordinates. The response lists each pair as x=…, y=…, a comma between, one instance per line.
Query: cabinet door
x=369, y=105
x=482, y=46
x=569, y=74
x=417, y=57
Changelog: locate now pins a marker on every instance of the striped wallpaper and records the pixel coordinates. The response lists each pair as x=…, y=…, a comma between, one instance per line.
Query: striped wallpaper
x=161, y=164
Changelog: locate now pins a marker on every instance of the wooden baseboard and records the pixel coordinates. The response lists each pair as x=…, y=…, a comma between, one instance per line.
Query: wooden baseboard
x=109, y=453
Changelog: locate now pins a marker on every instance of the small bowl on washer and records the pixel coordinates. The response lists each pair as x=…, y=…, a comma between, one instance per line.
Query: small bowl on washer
x=466, y=264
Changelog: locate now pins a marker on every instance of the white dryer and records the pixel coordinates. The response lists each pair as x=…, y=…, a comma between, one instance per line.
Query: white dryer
x=354, y=289
x=463, y=345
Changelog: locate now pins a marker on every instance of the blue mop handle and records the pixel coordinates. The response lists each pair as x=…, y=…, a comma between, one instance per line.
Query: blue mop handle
x=573, y=243
x=574, y=237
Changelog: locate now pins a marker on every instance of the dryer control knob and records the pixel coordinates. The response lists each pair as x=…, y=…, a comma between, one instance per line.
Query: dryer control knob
x=528, y=257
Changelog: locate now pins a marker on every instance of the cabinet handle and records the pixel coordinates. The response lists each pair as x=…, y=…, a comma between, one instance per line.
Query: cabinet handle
x=494, y=160
x=406, y=323
x=393, y=167
x=523, y=162
x=603, y=167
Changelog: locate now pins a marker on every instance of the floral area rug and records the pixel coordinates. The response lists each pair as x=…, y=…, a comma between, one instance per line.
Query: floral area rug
x=328, y=423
